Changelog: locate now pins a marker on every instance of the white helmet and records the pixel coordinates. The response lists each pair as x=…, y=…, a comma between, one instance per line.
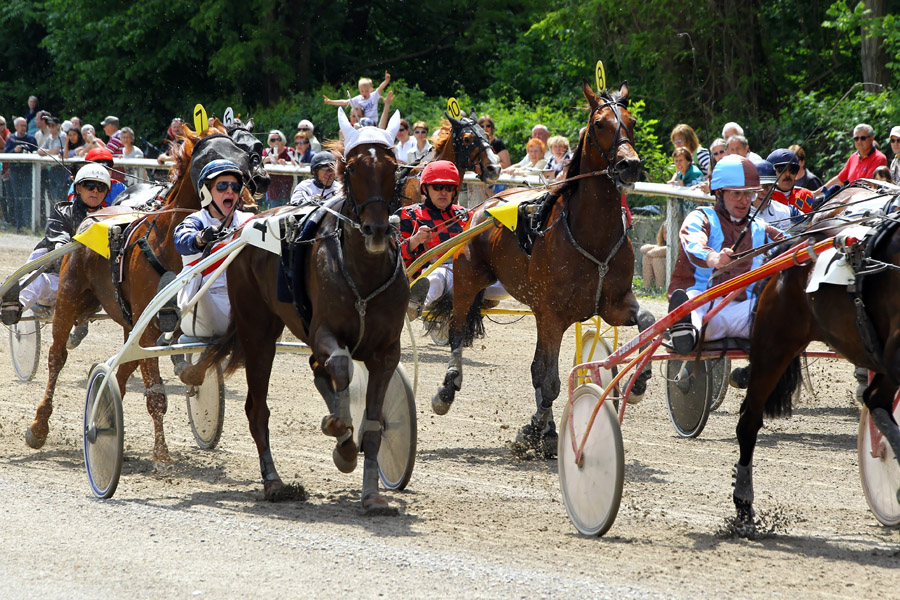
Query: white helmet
x=93, y=172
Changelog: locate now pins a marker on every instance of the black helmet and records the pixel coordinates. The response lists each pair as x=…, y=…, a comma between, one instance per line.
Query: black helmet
x=322, y=159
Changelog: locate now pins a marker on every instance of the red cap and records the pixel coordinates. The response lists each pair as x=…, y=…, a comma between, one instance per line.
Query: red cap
x=98, y=154
x=440, y=171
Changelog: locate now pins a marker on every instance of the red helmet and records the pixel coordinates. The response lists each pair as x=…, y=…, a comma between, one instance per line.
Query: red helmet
x=98, y=154
x=439, y=171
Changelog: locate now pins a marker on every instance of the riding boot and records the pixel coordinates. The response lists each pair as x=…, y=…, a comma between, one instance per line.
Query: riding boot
x=682, y=333
x=417, y=295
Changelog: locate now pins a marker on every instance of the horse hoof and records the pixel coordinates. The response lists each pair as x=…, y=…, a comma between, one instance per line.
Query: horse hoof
x=345, y=456
x=376, y=504
x=549, y=445
x=32, y=440
x=272, y=490
x=442, y=399
x=745, y=515
x=192, y=375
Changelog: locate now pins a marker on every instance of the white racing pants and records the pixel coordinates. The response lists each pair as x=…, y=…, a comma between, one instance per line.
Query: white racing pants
x=43, y=289
x=440, y=281
x=733, y=321
x=212, y=313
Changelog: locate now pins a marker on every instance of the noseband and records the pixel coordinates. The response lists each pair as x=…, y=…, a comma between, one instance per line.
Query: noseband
x=620, y=140
x=461, y=148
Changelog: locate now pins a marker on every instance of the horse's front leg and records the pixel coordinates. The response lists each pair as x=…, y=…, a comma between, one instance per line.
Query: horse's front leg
x=381, y=368
x=879, y=399
x=333, y=371
x=540, y=434
x=627, y=311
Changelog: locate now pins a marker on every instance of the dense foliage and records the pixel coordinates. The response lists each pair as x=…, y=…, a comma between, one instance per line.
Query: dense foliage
x=778, y=67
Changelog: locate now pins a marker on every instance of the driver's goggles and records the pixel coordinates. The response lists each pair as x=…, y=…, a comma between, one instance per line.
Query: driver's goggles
x=92, y=186
x=221, y=186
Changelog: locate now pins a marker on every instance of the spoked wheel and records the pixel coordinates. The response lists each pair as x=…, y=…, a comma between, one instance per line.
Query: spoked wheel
x=879, y=474
x=397, y=454
x=719, y=374
x=25, y=347
x=593, y=491
x=206, y=407
x=689, y=394
x=104, y=432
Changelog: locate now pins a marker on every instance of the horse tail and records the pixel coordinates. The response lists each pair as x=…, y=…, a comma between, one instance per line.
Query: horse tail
x=226, y=347
x=778, y=404
x=440, y=312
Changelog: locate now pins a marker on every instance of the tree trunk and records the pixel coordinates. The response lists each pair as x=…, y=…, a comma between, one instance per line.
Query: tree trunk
x=874, y=59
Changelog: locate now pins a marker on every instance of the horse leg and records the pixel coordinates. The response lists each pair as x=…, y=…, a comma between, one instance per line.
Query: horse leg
x=258, y=369
x=68, y=308
x=333, y=371
x=540, y=434
x=157, y=404
x=627, y=311
x=381, y=369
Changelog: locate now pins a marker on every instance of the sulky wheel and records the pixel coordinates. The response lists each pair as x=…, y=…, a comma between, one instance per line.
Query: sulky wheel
x=25, y=346
x=206, y=408
x=591, y=492
x=719, y=374
x=397, y=454
x=104, y=432
x=689, y=394
x=595, y=348
x=879, y=474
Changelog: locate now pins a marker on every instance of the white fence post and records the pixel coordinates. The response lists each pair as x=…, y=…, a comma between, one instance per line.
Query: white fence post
x=35, y=196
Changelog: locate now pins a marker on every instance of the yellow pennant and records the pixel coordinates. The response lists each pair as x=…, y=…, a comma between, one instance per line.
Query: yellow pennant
x=201, y=123
x=453, y=108
x=96, y=237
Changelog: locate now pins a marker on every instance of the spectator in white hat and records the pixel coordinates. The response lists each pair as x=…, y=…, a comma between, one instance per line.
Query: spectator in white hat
x=308, y=128
x=895, y=148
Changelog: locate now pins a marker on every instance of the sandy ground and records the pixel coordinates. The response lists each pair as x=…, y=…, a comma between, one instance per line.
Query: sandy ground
x=474, y=521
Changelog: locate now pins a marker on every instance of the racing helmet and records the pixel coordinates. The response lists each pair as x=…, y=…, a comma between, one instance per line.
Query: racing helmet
x=766, y=171
x=439, y=171
x=98, y=154
x=736, y=173
x=322, y=159
x=93, y=172
x=782, y=157
x=213, y=169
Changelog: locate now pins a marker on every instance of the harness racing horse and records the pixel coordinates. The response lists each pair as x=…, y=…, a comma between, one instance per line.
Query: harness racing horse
x=462, y=142
x=581, y=264
x=351, y=275
x=860, y=321
x=88, y=280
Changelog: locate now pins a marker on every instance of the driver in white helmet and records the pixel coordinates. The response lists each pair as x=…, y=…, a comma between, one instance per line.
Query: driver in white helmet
x=92, y=182
x=219, y=186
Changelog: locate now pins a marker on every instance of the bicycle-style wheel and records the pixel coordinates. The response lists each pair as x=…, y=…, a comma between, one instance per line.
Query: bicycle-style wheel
x=719, y=374
x=879, y=474
x=104, y=432
x=25, y=346
x=591, y=492
x=206, y=408
x=688, y=395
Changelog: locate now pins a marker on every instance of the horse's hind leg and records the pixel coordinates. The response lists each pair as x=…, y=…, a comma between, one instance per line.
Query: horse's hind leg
x=540, y=434
x=157, y=404
x=68, y=308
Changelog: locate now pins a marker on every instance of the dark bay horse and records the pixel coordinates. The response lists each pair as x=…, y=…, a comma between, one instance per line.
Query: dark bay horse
x=582, y=265
x=86, y=278
x=788, y=319
x=463, y=142
x=353, y=279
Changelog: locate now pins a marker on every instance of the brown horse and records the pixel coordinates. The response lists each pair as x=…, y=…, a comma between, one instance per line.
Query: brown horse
x=86, y=279
x=862, y=324
x=462, y=142
x=352, y=281
x=580, y=266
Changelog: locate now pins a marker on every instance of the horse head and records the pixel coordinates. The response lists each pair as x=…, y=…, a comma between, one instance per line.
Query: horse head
x=472, y=149
x=367, y=173
x=609, y=140
x=242, y=135
x=219, y=145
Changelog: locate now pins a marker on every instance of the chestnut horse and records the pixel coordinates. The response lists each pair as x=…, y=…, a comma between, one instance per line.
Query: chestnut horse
x=462, y=142
x=353, y=280
x=86, y=278
x=582, y=264
x=863, y=327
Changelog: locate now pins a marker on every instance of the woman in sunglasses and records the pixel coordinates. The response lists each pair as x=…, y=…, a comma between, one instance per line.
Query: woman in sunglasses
x=405, y=142
x=278, y=153
x=420, y=133
x=219, y=187
x=91, y=185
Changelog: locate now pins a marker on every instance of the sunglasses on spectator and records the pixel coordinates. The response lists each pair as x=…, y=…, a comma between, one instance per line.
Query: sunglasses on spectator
x=487, y=126
x=895, y=140
x=718, y=152
x=791, y=167
x=92, y=186
x=303, y=129
x=859, y=138
x=443, y=187
x=420, y=131
x=235, y=186
x=404, y=129
x=273, y=140
x=301, y=142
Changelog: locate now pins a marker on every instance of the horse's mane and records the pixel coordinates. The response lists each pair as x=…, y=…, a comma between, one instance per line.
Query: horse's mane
x=442, y=137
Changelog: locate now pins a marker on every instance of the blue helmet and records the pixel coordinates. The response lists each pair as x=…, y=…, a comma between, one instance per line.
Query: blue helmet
x=213, y=169
x=322, y=159
x=766, y=171
x=783, y=156
x=735, y=172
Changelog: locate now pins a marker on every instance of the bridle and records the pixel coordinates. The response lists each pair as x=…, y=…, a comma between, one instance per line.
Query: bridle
x=349, y=197
x=614, y=104
x=462, y=148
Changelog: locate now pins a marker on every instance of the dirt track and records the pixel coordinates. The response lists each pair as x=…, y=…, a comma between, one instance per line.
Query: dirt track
x=474, y=522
